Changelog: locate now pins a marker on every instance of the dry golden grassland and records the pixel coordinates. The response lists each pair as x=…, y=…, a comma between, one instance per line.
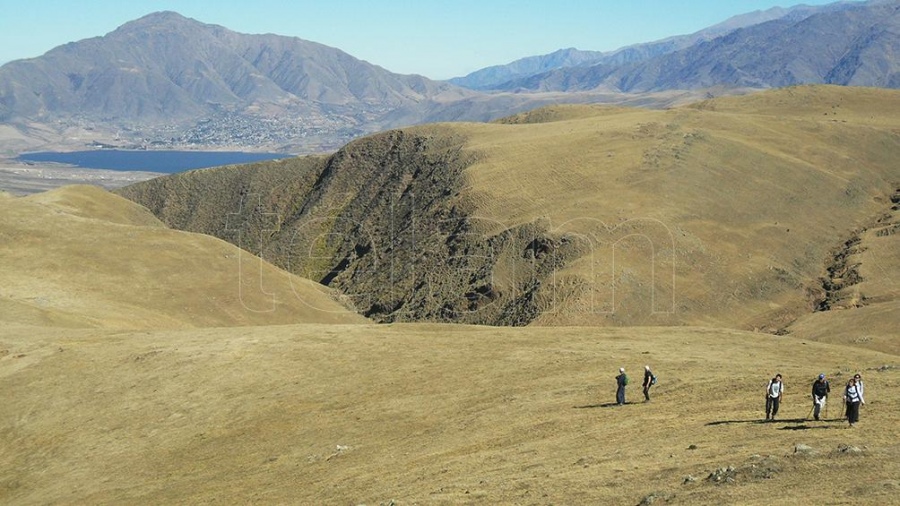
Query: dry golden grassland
x=142, y=365
x=718, y=213
x=82, y=257
x=434, y=414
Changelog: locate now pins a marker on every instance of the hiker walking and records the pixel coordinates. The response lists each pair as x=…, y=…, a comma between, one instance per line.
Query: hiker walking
x=649, y=381
x=820, y=390
x=774, y=391
x=621, y=381
x=853, y=397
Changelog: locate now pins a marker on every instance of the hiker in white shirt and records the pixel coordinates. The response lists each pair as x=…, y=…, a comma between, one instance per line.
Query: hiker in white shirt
x=859, y=385
x=853, y=397
x=774, y=391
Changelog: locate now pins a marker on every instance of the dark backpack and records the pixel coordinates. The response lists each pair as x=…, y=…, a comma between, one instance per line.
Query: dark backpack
x=652, y=379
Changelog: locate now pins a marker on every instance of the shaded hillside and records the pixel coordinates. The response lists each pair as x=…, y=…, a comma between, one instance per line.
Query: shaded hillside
x=82, y=257
x=386, y=220
x=715, y=213
x=854, y=45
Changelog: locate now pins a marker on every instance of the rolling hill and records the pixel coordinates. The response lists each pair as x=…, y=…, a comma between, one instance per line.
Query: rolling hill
x=707, y=214
x=137, y=370
x=80, y=257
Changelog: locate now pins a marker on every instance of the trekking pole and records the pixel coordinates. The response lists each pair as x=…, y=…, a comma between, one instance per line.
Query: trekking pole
x=826, y=409
x=810, y=411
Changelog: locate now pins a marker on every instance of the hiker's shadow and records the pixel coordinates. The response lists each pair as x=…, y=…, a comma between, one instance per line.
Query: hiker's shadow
x=606, y=405
x=801, y=425
x=731, y=422
x=794, y=423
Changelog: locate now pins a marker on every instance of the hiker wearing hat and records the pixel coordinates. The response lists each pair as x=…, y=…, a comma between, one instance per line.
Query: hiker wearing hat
x=820, y=389
x=649, y=381
x=853, y=396
x=621, y=381
x=774, y=391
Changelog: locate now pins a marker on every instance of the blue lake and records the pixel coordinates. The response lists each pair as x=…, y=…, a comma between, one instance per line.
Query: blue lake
x=168, y=162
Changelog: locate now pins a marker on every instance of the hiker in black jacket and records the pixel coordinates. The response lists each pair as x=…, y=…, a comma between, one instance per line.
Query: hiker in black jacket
x=648, y=382
x=820, y=389
x=621, y=381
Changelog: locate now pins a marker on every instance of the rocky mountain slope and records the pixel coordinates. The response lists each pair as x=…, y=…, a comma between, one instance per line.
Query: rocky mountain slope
x=160, y=73
x=166, y=81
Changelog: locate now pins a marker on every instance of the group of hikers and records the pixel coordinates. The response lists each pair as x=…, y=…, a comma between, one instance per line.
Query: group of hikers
x=622, y=380
x=853, y=397
x=853, y=394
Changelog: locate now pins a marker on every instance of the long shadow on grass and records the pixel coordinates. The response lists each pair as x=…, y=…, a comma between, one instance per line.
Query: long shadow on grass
x=730, y=422
x=758, y=421
x=798, y=423
x=803, y=426
x=606, y=405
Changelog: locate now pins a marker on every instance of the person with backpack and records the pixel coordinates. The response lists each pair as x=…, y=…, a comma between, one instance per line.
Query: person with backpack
x=859, y=384
x=774, y=391
x=853, y=397
x=621, y=381
x=820, y=390
x=649, y=381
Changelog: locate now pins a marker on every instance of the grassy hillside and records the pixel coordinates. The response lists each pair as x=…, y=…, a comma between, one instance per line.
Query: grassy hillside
x=143, y=365
x=427, y=414
x=82, y=257
x=740, y=203
x=723, y=212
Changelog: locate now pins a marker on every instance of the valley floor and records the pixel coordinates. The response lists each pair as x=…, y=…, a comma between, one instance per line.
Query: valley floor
x=435, y=414
x=23, y=179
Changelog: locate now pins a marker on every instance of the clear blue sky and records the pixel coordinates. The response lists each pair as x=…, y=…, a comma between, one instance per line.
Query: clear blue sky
x=436, y=38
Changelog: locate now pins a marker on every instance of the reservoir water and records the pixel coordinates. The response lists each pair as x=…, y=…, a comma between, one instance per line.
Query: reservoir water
x=168, y=162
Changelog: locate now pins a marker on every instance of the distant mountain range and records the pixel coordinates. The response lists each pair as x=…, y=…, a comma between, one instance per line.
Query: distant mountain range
x=166, y=81
x=501, y=76
x=846, y=43
x=166, y=69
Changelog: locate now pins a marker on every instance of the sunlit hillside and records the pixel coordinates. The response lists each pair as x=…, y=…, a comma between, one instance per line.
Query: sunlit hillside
x=82, y=257
x=726, y=212
x=425, y=414
x=758, y=235
x=721, y=212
